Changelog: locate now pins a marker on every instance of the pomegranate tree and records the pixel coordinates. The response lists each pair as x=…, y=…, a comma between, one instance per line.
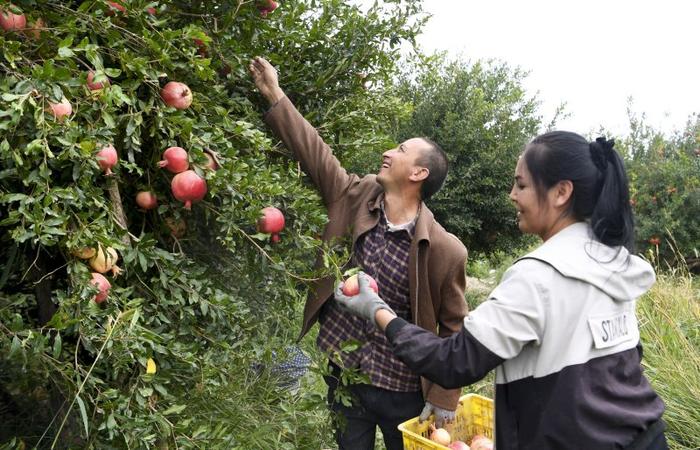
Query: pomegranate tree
x=175, y=159
x=351, y=286
x=188, y=187
x=107, y=158
x=176, y=94
x=103, y=285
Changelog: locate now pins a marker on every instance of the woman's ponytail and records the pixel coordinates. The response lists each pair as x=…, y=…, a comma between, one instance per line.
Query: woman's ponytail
x=611, y=219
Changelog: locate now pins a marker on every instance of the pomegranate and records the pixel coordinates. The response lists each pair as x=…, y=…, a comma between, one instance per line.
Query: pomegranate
x=105, y=259
x=201, y=47
x=188, y=187
x=458, y=445
x=481, y=442
x=84, y=252
x=102, y=284
x=61, y=110
x=107, y=158
x=211, y=162
x=114, y=7
x=34, y=30
x=146, y=200
x=272, y=222
x=10, y=21
x=440, y=435
x=175, y=159
x=151, y=10
x=351, y=286
x=267, y=6
x=177, y=227
x=176, y=94
x=95, y=86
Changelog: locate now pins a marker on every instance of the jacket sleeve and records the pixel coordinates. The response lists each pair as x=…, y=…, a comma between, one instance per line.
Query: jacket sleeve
x=453, y=362
x=451, y=314
x=315, y=156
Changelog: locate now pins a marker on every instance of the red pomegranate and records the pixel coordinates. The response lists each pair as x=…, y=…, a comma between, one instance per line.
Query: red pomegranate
x=146, y=200
x=61, y=110
x=188, y=187
x=201, y=47
x=113, y=7
x=102, y=284
x=10, y=21
x=151, y=10
x=267, y=6
x=95, y=86
x=272, y=222
x=175, y=160
x=107, y=158
x=176, y=94
x=351, y=286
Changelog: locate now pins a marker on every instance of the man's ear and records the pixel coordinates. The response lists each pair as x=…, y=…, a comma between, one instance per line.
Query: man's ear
x=563, y=192
x=419, y=173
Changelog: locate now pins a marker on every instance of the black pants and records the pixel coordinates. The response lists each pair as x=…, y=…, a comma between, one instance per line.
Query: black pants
x=372, y=407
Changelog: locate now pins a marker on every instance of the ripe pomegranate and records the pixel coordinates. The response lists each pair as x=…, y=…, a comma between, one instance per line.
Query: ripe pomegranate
x=113, y=7
x=267, y=6
x=440, y=435
x=146, y=200
x=481, y=442
x=102, y=284
x=176, y=94
x=10, y=21
x=95, y=86
x=272, y=222
x=175, y=159
x=105, y=259
x=458, y=445
x=34, y=30
x=211, y=162
x=61, y=110
x=201, y=47
x=188, y=187
x=351, y=286
x=84, y=253
x=107, y=158
x=151, y=10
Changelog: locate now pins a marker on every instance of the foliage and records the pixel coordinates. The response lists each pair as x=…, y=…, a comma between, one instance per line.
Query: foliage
x=669, y=317
x=664, y=177
x=206, y=306
x=481, y=116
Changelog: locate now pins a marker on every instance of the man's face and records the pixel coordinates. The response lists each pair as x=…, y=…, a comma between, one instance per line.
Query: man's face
x=398, y=164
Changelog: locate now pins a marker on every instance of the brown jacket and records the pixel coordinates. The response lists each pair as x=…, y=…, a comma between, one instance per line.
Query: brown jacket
x=437, y=258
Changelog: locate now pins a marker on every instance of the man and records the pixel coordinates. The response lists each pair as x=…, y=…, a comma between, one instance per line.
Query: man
x=418, y=265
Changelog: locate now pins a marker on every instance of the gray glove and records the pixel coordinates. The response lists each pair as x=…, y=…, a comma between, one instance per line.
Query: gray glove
x=365, y=304
x=442, y=416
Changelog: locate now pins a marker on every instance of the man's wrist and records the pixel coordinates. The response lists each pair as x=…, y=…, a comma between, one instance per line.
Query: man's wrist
x=275, y=95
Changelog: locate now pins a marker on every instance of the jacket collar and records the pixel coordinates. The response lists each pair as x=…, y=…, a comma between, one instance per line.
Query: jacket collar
x=423, y=224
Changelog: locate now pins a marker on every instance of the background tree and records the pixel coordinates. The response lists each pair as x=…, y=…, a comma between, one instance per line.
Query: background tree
x=481, y=115
x=166, y=360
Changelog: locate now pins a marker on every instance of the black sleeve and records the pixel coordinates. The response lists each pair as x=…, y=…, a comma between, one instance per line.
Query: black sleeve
x=452, y=362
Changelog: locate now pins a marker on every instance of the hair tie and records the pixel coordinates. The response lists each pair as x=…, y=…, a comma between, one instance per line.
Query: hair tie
x=602, y=152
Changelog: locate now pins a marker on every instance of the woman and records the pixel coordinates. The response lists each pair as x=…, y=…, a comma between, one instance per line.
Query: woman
x=560, y=329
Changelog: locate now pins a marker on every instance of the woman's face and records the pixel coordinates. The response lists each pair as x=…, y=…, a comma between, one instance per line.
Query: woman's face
x=535, y=215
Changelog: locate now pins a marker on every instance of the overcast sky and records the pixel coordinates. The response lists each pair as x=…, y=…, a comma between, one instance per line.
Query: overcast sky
x=591, y=54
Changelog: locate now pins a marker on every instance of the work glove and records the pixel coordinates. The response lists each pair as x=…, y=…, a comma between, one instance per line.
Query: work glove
x=365, y=304
x=442, y=416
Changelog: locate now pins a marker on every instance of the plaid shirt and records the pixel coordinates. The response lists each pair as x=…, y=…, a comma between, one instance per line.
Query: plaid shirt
x=383, y=253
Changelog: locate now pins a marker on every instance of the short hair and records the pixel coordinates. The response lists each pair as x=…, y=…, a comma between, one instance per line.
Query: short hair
x=434, y=159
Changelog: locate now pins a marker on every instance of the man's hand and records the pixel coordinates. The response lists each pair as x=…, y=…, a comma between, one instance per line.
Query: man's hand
x=365, y=304
x=265, y=78
x=442, y=416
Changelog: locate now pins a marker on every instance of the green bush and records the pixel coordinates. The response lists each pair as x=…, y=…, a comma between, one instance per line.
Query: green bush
x=204, y=306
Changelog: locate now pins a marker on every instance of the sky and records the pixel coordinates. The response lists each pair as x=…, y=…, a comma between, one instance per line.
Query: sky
x=591, y=54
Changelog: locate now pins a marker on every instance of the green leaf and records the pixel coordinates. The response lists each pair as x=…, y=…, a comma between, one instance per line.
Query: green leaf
x=57, y=346
x=65, y=52
x=83, y=414
x=175, y=409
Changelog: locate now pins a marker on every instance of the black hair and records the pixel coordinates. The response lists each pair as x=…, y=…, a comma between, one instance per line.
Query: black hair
x=601, y=191
x=435, y=160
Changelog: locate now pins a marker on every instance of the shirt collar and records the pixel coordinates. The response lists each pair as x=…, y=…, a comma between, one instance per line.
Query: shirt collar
x=408, y=226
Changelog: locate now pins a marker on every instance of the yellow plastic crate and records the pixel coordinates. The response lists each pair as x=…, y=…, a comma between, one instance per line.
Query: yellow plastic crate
x=474, y=416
